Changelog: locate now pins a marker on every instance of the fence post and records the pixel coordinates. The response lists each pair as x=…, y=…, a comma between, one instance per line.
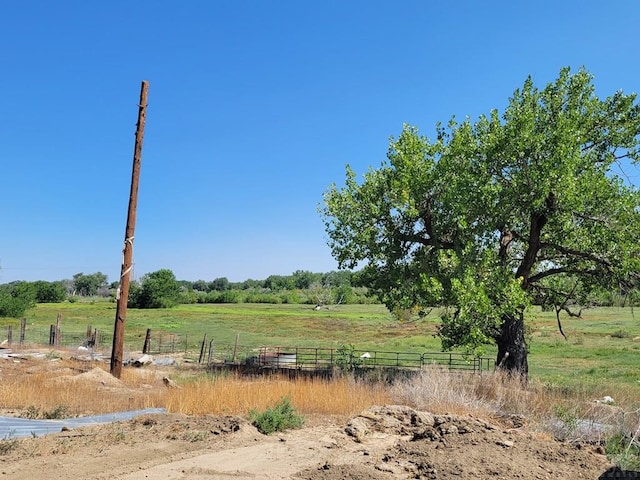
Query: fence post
x=210, y=352
x=58, y=330
x=235, y=348
x=147, y=339
x=10, y=334
x=23, y=328
x=204, y=340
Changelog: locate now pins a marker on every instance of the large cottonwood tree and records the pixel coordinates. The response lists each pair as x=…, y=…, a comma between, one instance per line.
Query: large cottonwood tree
x=490, y=215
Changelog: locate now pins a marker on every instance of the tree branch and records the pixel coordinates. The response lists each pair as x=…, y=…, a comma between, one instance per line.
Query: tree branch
x=559, y=270
x=576, y=253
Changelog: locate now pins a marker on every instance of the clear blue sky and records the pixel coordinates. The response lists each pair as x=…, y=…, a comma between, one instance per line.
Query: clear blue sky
x=254, y=109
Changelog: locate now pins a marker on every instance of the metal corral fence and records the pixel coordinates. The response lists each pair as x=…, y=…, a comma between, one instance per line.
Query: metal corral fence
x=348, y=359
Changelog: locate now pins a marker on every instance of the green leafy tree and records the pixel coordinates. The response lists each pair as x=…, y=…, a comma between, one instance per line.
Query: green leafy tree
x=303, y=279
x=16, y=298
x=199, y=286
x=49, y=292
x=89, y=285
x=279, y=282
x=483, y=219
x=337, y=278
x=219, y=284
x=158, y=289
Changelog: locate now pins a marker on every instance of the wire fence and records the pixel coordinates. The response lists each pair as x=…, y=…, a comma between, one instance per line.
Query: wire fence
x=207, y=352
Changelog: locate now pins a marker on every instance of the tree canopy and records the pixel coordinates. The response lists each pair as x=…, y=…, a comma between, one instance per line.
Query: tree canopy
x=158, y=289
x=16, y=298
x=87, y=285
x=491, y=215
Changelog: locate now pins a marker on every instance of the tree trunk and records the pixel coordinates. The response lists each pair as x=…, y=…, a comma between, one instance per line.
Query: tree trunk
x=512, y=346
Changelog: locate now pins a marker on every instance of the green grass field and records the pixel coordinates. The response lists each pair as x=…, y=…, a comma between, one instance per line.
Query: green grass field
x=601, y=352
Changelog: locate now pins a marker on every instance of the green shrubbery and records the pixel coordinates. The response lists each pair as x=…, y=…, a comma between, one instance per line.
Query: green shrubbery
x=623, y=451
x=281, y=417
x=16, y=298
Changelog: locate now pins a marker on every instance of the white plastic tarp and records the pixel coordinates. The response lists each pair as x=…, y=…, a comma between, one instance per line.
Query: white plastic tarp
x=11, y=427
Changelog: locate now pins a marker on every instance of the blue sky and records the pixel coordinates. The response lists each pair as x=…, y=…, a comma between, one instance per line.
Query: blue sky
x=254, y=109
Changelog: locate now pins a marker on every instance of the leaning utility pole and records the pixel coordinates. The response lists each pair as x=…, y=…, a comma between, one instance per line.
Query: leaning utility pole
x=127, y=253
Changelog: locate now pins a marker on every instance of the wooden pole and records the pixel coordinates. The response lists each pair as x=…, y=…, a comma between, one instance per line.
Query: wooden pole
x=58, y=338
x=202, y=347
x=127, y=254
x=23, y=328
x=147, y=342
x=210, y=352
x=235, y=348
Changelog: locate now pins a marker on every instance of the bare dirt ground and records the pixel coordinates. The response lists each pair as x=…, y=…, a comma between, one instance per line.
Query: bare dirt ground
x=384, y=442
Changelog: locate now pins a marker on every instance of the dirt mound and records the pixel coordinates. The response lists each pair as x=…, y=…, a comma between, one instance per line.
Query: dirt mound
x=385, y=442
x=95, y=376
x=465, y=447
x=98, y=375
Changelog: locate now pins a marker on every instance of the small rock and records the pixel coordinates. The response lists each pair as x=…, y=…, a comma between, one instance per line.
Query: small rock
x=505, y=443
x=169, y=383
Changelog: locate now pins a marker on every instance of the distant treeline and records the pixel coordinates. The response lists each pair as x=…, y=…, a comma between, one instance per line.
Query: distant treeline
x=161, y=289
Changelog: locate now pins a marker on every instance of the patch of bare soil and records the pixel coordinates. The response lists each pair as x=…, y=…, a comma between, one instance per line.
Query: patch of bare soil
x=383, y=442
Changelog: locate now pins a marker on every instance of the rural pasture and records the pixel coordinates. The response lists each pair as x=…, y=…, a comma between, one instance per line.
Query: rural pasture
x=206, y=420
x=599, y=355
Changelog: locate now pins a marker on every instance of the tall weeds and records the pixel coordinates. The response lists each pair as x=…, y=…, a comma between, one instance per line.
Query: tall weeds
x=565, y=415
x=237, y=395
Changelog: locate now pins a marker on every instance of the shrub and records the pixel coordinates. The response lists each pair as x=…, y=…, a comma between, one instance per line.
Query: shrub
x=568, y=421
x=58, y=412
x=623, y=451
x=277, y=419
x=16, y=298
x=7, y=446
x=158, y=289
x=61, y=411
x=346, y=358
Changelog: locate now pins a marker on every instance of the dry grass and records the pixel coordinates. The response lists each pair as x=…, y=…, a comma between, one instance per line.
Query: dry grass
x=565, y=415
x=69, y=387
x=76, y=388
x=236, y=395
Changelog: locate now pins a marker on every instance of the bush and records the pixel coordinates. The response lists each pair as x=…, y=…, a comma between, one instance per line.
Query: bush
x=158, y=289
x=277, y=419
x=346, y=358
x=623, y=451
x=16, y=298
